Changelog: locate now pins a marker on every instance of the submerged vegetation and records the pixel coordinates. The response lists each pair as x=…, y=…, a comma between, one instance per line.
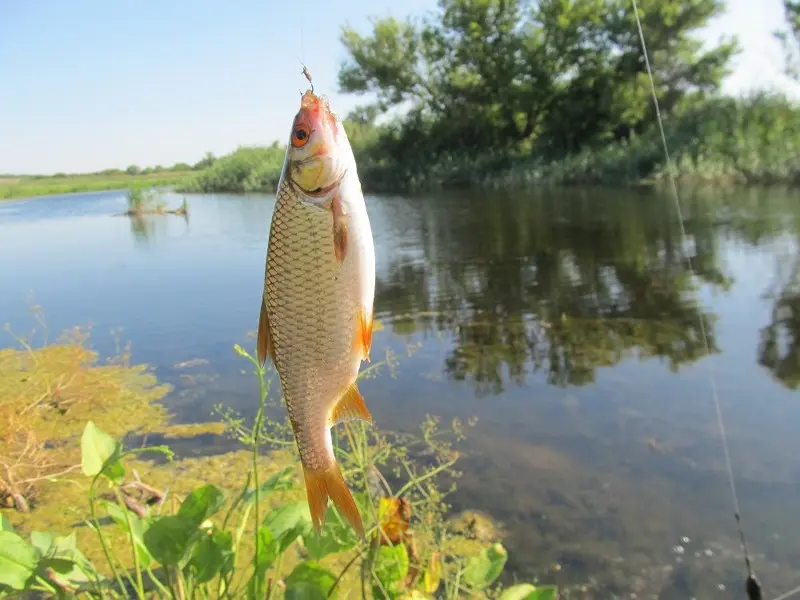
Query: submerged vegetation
x=90, y=509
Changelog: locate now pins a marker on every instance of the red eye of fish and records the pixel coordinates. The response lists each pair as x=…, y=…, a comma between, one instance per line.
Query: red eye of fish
x=300, y=135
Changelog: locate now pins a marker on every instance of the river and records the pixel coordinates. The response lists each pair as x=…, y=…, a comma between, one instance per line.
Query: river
x=566, y=322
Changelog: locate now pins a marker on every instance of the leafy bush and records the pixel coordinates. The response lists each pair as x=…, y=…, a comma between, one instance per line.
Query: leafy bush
x=248, y=169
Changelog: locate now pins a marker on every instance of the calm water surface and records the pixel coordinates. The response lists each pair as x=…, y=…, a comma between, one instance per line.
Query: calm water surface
x=566, y=322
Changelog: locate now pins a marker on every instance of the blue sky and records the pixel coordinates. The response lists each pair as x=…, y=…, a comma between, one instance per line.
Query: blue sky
x=88, y=85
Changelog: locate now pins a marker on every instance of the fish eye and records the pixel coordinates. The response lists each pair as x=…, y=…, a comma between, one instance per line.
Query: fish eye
x=300, y=135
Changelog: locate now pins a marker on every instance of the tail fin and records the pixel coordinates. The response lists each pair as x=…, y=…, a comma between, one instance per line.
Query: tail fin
x=329, y=483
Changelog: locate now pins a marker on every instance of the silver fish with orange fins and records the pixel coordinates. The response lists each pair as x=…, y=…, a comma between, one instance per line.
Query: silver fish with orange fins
x=316, y=317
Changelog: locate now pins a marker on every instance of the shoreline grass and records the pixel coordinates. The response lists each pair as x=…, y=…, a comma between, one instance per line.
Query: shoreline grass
x=14, y=188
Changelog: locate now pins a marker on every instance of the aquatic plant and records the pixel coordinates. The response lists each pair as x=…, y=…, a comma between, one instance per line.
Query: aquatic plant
x=48, y=395
x=143, y=202
x=257, y=540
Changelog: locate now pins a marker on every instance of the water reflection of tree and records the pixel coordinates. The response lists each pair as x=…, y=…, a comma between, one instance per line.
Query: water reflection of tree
x=779, y=350
x=564, y=284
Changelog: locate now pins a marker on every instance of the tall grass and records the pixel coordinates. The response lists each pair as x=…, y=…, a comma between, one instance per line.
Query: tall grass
x=753, y=140
x=257, y=541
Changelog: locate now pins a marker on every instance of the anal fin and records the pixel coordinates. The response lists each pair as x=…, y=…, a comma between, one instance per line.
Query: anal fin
x=264, y=344
x=350, y=407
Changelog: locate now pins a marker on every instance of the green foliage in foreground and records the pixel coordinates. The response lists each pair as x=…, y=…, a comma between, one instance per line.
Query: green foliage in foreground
x=219, y=544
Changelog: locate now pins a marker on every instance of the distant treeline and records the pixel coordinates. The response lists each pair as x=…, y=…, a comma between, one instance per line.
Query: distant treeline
x=753, y=140
x=133, y=170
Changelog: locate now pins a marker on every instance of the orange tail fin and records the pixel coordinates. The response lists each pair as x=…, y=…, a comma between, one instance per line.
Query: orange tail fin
x=329, y=483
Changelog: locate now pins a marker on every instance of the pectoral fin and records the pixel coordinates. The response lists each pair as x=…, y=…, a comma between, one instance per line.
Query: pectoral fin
x=339, y=228
x=264, y=338
x=363, y=337
x=350, y=407
x=340, y=239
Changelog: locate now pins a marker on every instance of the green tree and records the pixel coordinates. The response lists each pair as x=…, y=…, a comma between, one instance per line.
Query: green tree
x=560, y=74
x=207, y=161
x=790, y=38
x=133, y=170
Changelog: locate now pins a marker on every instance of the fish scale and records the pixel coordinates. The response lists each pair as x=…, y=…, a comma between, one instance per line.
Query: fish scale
x=307, y=326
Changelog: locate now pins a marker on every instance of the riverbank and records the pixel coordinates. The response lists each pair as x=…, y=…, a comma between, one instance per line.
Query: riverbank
x=745, y=141
x=30, y=187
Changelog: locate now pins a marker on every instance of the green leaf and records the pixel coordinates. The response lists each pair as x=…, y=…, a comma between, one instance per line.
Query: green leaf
x=211, y=555
x=526, y=591
x=336, y=536
x=268, y=550
x=65, y=546
x=309, y=581
x=289, y=522
x=280, y=481
x=5, y=524
x=17, y=560
x=42, y=541
x=60, y=553
x=137, y=529
x=391, y=568
x=168, y=539
x=484, y=568
x=100, y=453
x=201, y=504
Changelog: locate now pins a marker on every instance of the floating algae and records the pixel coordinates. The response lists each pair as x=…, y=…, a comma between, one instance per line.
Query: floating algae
x=49, y=394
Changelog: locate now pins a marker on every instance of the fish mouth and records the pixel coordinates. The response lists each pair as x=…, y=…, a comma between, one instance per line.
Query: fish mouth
x=323, y=191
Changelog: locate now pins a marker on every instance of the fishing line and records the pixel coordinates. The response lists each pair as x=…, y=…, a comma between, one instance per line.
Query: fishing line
x=302, y=42
x=752, y=587
x=788, y=594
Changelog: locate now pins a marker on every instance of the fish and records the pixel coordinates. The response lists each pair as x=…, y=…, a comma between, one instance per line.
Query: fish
x=316, y=319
